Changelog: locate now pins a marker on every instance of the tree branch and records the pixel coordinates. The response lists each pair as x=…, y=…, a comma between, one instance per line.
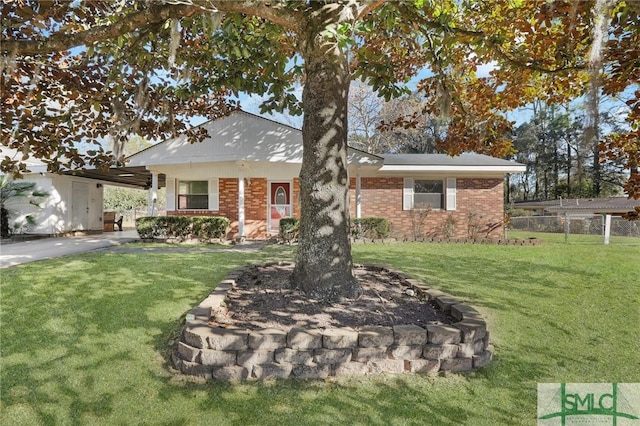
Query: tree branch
x=154, y=14
x=481, y=35
x=271, y=11
x=61, y=41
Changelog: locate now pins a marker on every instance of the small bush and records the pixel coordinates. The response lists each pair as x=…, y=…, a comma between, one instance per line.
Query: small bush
x=205, y=228
x=209, y=227
x=370, y=227
x=289, y=228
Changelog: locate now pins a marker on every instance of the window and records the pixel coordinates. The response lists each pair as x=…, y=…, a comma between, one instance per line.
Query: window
x=418, y=193
x=428, y=193
x=280, y=196
x=193, y=195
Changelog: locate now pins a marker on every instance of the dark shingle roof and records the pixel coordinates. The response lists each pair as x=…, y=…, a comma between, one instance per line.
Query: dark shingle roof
x=443, y=160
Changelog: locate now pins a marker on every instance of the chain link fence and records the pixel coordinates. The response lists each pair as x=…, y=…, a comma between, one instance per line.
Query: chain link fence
x=576, y=225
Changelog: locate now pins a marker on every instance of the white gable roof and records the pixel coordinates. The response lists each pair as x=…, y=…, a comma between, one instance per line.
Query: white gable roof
x=245, y=137
x=240, y=136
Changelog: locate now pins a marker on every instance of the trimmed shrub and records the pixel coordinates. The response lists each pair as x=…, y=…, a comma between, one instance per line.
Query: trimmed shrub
x=209, y=227
x=289, y=228
x=146, y=227
x=370, y=227
x=205, y=228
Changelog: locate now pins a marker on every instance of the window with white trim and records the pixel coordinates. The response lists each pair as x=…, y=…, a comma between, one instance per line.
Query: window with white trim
x=193, y=195
x=429, y=193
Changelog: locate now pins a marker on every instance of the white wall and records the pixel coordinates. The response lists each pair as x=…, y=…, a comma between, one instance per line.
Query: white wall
x=55, y=216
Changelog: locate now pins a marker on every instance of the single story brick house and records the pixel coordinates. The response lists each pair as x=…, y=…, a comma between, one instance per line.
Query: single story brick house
x=247, y=170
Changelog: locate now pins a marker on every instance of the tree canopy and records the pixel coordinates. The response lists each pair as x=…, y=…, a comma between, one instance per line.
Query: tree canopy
x=79, y=72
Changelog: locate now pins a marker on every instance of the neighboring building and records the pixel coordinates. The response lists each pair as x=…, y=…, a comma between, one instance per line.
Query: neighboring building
x=248, y=167
x=616, y=206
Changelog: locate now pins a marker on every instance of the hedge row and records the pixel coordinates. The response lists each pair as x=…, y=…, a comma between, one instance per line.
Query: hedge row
x=205, y=228
x=366, y=227
x=370, y=227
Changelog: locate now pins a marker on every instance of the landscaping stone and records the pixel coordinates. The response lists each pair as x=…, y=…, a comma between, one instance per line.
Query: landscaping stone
x=461, y=311
x=340, y=338
x=272, y=371
x=386, y=366
x=368, y=354
x=409, y=335
x=231, y=373
x=195, y=333
x=422, y=365
x=472, y=330
x=191, y=368
x=222, y=339
x=466, y=350
x=375, y=336
x=299, y=338
x=255, y=357
x=441, y=334
x=311, y=371
x=268, y=338
x=188, y=353
x=456, y=364
x=405, y=352
x=211, y=357
x=350, y=369
x=446, y=302
x=331, y=356
x=293, y=356
x=482, y=359
x=439, y=351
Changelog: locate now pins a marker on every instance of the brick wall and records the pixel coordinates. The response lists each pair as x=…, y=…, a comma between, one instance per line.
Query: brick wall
x=479, y=203
x=255, y=206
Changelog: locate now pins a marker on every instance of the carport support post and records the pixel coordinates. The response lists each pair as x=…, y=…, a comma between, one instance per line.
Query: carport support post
x=241, y=205
x=607, y=229
x=153, y=194
x=358, y=195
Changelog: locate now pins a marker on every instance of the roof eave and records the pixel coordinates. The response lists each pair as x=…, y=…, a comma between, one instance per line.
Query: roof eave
x=452, y=168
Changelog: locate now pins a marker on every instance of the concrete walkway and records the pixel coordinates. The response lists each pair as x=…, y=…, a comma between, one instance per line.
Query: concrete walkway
x=47, y=248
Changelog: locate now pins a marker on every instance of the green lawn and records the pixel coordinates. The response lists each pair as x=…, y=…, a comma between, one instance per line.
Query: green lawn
x=84, y=339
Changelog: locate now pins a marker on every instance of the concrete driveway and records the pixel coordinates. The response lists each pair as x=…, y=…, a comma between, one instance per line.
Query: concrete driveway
x=29, y=251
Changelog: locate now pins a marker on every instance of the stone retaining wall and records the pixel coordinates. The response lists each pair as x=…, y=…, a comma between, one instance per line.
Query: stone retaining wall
x=237, y=354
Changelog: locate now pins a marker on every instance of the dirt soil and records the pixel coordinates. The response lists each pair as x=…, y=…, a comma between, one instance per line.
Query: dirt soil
x=263, y=298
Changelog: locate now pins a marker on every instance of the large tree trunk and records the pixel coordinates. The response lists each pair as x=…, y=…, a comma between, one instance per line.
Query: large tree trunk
x=323, y=263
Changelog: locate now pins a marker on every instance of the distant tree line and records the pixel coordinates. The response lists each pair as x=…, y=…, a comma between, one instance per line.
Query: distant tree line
x=562, y=162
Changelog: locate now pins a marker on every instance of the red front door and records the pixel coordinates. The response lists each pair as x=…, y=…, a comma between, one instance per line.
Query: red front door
x=279, y=204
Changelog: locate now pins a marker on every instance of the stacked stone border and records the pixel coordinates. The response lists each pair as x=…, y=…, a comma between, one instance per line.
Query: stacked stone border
x=232, y=354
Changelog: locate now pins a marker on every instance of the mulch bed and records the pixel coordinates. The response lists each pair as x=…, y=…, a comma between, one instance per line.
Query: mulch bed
x=263, y=298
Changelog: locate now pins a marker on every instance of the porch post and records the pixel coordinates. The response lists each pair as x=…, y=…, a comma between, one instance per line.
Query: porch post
x=240, y=204
x=153, y=194
x=358, y=195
